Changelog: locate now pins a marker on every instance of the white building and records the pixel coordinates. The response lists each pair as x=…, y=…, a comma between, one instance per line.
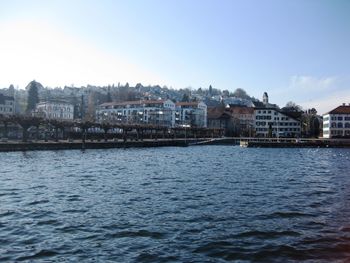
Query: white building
x=157, y=112
x=273, y=122
x=193, y=114
x=55, y=110
x=7, y=105
x=336, y=123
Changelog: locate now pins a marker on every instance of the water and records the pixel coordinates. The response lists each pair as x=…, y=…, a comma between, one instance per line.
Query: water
x=195, y=204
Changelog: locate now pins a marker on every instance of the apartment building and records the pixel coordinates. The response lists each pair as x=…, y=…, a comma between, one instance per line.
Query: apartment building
x=56, y=110
x=336, y=123
x=7, y=105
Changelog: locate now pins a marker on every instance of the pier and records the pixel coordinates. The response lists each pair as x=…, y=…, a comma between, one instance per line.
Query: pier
x=294, y=143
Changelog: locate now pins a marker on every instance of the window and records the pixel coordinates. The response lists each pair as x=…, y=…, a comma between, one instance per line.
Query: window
x=340, y=125
x=347, y=118
x=347, y=125
x=340, y=118
x=269, y=111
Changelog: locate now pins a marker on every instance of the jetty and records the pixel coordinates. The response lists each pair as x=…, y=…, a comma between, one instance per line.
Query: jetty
x=294, y=143
x=276, y=142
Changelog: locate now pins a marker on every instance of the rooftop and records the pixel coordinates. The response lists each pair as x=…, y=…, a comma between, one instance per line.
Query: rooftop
x=135, y=102
x=343, y=109
x=191, y=103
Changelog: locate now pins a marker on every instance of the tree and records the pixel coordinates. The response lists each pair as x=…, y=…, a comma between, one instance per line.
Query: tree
x=11, y=91
x=33, y=96
x=109, y=97
x=210, y=90
x=311, y=123
x=240, y=93
x=292, y=106
x=91, y=107
x=185, y=98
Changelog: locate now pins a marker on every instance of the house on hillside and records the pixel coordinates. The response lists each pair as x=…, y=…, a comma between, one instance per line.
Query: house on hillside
x=156, y=112
x=55, y=110
x=7, y=105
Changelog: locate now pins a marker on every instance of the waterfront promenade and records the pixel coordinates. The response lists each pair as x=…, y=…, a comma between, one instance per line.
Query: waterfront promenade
x=91, y=144
x=15, y=145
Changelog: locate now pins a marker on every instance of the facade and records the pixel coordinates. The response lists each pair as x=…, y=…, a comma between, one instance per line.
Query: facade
x=336, y=123
x=235, y=120
x=218, y=118
x=221, y=118
x=191, y=114
x=156, y=112
x=271, y=122
x=55, y=110
x=7, y=105
x=265, y=98
x=244, y=117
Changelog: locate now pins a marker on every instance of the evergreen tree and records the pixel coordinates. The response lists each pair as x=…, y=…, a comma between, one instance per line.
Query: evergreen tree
x=185, y=98
x=210, y=90
x=33, y=96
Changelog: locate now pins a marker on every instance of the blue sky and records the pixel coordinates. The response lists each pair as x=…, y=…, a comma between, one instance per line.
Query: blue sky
x=294, y=50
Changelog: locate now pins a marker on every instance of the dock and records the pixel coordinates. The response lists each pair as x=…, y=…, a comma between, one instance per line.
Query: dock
x=294, y=143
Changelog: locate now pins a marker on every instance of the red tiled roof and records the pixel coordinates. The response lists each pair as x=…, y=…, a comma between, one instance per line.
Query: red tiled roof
x=344, y=109
x=216, y=113
x=241, y=110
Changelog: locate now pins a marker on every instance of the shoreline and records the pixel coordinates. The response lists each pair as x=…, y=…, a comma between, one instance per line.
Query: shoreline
x=16, y=146
x=13, y=146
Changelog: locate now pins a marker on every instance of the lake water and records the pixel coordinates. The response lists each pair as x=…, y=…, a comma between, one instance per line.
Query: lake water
x=194, y=204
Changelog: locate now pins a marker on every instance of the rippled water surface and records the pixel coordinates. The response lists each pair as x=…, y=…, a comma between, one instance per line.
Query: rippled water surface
x=194, y=204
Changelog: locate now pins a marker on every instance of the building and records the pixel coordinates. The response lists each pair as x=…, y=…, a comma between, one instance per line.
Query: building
x=157, y=112
x=235, y=120
x=221, y=118
x=265, y=98
x=336, y=123
x=191, y=114
x=271, y=122
x=55, y=110
x=7, y=105
x=245, y=118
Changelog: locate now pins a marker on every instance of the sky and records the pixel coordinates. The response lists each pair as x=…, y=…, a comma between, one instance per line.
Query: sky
x=296, y=50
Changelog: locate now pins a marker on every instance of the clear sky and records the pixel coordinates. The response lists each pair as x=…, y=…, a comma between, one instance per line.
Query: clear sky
x=295, y=50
